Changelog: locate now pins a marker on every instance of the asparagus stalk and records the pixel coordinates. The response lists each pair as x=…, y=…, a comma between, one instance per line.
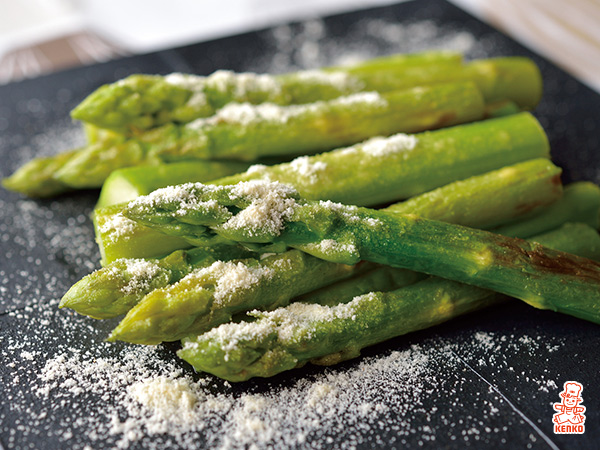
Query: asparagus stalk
x=114, y=290
x=145, y=101
x=377, y=171
x=571, y=237
x=269, y=213
x=402, y=61
x=35, y=178
x=291, y=336
x=121, y=238
x=381, y=170
x=126, y=184
x=493, y=198
x=212, y=295
x=247, y=132
x=580, y=203
x=463, y=202
x=497, y=197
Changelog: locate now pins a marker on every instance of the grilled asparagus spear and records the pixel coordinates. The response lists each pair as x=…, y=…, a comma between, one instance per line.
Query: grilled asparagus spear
x=479, y=201
x=377, y=171
x=580, y=203
x=290, y=337
x=258, y=213
x=126, y=184
x=141, y=102
x=245, y=132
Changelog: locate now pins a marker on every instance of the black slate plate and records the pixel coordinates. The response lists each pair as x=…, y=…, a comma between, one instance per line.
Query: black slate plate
x=487, y=380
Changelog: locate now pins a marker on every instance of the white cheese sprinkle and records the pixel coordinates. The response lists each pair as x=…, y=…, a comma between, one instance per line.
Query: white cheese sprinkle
x=193, y=83
x=361, y=99
x=185, y=196
x=246, y=113
x=241, y=84
x=272, y=205
x=337, y=79
x=307, y=167
x=140, y=273
x=330, y=247
x=397, y=143
x=235, y=277
x=118, y=226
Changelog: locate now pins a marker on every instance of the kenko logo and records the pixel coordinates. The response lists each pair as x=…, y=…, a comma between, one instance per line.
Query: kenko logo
x=570, y=418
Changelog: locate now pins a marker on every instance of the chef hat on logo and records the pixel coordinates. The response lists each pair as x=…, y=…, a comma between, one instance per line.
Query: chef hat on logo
x=572, y=389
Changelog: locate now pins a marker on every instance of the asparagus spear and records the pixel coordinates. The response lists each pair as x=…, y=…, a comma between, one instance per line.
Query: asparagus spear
x=146, y=101
x=471, y=202
x=114, y=290
x=381, y=170
x=247, y=132
x=269, y=213
x=374, y=172
x=580, y=203
x=498, y=197
x=290, y=337
x=35, y=178
x=126, y=184
x=212, y=295
x=577, y=238
x=482, y=201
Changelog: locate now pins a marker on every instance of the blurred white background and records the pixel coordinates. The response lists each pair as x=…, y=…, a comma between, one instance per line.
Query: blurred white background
x=40, y=36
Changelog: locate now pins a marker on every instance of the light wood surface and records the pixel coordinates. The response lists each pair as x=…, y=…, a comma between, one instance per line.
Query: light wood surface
x=565, y=31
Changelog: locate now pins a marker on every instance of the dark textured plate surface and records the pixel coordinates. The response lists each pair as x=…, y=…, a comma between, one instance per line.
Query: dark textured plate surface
x=502, y=368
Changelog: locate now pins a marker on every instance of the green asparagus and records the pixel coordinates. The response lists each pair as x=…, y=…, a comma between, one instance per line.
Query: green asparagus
x=377, y=171
x=580, y=203
x=248, y=132
x=381, y=170
x=514, y=189
x=498, y=197
x=290, y=337
x=126, y=184
x=142, y=102
x=466, y=202
x=114, y=290
x=212, y=295
x=35, y=178
x=577, y=238
x=262, y=213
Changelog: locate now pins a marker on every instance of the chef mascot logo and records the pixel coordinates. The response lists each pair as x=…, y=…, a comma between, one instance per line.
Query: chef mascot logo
x=570, y=417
